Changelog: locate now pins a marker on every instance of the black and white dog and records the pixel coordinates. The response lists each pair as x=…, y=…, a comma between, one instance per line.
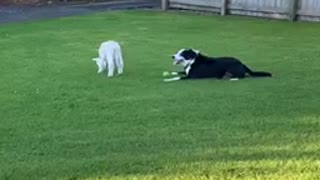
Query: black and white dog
x=197, y=65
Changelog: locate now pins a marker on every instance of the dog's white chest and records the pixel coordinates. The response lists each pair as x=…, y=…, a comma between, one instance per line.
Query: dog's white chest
x=188, y=67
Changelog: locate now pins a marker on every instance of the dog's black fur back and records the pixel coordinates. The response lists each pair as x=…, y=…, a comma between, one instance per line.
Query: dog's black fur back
x=218, y=67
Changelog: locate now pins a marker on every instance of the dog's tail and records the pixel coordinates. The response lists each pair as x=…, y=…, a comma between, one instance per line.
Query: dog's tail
x=257, y=73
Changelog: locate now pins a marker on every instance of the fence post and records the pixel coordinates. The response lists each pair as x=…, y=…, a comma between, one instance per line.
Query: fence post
x=164, y=4
x=292, y=10
x=224, y=7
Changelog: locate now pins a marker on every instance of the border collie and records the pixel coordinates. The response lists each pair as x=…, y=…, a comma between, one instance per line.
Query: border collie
x=109, y=55
x=197, y=65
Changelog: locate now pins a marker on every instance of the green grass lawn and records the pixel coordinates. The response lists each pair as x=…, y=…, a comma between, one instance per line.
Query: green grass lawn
x=61, y=120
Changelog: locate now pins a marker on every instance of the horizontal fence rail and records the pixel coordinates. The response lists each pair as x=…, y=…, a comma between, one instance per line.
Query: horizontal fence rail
x=304, y=10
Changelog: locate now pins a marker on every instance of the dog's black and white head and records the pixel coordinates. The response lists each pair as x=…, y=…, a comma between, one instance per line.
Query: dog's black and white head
x=185, y=56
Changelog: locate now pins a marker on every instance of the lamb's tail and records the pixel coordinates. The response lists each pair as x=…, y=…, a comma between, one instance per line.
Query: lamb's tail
x=257, y=73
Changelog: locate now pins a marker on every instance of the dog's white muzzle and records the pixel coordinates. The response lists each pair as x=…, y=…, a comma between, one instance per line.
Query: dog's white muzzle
x=177, y=59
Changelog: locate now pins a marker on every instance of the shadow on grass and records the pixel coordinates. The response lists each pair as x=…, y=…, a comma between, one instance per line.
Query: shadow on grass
x=289, y=149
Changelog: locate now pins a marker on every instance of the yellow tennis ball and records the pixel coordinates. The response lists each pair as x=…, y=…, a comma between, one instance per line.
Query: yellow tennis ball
x=166, y=73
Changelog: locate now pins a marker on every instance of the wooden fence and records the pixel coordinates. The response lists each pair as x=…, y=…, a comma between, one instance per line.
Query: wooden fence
x=304, y=10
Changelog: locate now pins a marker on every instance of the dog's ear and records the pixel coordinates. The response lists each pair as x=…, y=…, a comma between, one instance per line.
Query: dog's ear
x=190, y=54
x=196, y=51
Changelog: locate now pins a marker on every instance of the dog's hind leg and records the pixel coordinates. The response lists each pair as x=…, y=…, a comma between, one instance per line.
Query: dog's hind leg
x=237, y=72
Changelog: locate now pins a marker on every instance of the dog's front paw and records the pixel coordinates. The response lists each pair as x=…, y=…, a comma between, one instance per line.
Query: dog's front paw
x=234, y=79
x=172, y=79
